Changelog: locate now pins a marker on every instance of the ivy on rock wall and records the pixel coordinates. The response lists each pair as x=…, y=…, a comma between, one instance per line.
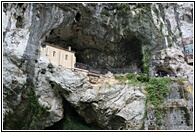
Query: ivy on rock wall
x=146, y=60
x=157, y=89
x=31, y=114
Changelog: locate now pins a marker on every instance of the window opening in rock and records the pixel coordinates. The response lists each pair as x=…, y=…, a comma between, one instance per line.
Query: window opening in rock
x=77, y=17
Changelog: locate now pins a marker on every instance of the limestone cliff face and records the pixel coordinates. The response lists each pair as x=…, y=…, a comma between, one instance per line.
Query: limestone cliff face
x=176, y=22
x=110, y=105
x=24, y=27
x=103, y=35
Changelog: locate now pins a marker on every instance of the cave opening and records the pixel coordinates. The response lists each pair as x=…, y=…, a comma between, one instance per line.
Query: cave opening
x=72, y=120
x=127, y=54
x=97, y=52
x=162, y=72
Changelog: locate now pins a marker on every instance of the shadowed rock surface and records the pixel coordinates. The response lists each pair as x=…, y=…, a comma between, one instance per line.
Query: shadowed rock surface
x=108, y=35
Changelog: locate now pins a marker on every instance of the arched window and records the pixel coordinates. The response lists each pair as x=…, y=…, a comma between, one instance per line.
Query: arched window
x=54, y=52
x=66, y=56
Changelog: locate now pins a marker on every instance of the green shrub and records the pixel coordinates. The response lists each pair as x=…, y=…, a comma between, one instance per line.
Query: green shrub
x=180, y=34
x=31, y=113
x=146, y=60
x=130, y=76
x=157, y=89
x=143, y=78
x=121, y=78
x=36, y=110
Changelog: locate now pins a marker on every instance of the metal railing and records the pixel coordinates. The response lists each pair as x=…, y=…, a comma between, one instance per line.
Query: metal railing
x=115, y=70
x=103, y=71
x=81, y=66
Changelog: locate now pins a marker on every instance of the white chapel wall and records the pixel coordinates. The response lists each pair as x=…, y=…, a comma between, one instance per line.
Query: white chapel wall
x=59, y=57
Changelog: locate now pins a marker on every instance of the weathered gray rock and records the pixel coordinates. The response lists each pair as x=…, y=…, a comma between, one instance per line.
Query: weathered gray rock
x=102, y=36
x=110, y=106
x=179, y=25
x=177, y=111
x=172, y=60
x=23, y=30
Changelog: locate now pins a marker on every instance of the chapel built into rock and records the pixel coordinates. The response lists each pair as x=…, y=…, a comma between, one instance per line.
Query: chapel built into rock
x=59, y=56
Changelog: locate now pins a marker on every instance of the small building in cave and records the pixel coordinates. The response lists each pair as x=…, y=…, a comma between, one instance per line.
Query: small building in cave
x=58, y=55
